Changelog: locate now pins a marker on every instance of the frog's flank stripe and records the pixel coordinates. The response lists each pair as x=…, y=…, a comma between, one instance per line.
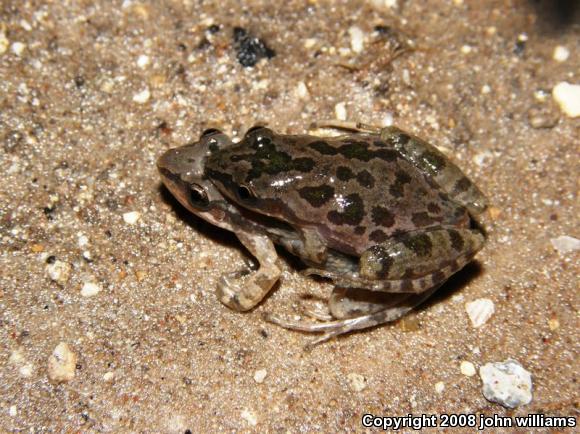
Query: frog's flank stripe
x=352, y=149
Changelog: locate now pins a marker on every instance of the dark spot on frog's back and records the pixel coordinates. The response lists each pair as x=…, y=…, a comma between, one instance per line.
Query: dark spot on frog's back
x=316, y=196
x=359, y=230
x=462, y=185
x=420, y=244
x=457, y=242
x=382, y=217
x=422, y=219
x=365, y=179
x=344, y=173
x=397, y=188
x=352, y=214
x=378, y=236
x=323, y=148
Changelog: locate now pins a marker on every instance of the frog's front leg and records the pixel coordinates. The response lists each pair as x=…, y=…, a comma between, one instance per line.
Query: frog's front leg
x=242, y=293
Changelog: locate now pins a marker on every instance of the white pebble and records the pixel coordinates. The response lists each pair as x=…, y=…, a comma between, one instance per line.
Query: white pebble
x=250, y=417
x=302, y=91
x=59, y=272
x=12, y=411
x=506, y=383
x=90, y=289
x=62, y=363
x=467, y=368
x=479, y=311
x=26, y=370
x=485, y=89
x=142, y=97
x=4, y=43
x=568, y=98
x=109, y=376
x=565, y=244
x=356, y=382
x=561, y=53
x=482, y=158
x=439, y=387
x=340, y=111
x=466, y=49
x=131, y=217
x=356, y=39
x=260, y=375
x=18, y=48
x=83, y=240
x=143, y=61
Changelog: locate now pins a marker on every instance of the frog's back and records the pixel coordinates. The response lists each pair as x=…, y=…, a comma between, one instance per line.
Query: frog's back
x=356, y=190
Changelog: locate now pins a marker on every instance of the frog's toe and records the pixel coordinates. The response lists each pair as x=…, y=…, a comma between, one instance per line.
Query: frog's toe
x=231, y=294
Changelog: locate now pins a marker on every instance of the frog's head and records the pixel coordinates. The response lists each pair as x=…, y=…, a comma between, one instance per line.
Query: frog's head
x=182, y=172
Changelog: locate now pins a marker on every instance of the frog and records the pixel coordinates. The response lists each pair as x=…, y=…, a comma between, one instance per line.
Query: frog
x=381, y=213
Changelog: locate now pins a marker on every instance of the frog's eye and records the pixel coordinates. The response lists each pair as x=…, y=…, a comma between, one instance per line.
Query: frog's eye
x=210, y=132
x=198, y=196
x=245, y=192
x=254, y=128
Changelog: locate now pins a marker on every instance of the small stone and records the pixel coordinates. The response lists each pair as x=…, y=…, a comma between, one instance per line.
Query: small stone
x=143, y=61
x=83, y=240
x=565, y=244
x=12, y=411
x=4, y=43
x=59, y=272
x=568, y=98
x=302, y=91
x=37, y=248
x=356, y=39
x=131, y=217
x=62, y=363
x=340, y=111
x=90, y=289
x=439, y=387
x=466, y=49
x=561, y=54
x=260, y=375
x=506, y=383
x=356, y=382
x=142, y=97
x=388, y=120
x=109, y=376
x=18, y=48
x=485, y=89
x=26, y=370
x=467, y=368
x=554, y=324
x=479, y=311
x=542, y=117
x=250, y=417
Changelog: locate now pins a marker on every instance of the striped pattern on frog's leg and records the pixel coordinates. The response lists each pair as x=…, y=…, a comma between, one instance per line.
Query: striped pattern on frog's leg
x=412, y=262
x=428, y=159
x=331, y=329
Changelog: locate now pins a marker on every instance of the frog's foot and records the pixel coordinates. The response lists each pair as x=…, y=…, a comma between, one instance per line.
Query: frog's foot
x=242, y=291
x=331, y=329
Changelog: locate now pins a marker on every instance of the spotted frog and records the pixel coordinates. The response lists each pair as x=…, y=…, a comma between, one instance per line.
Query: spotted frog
x=381, y=213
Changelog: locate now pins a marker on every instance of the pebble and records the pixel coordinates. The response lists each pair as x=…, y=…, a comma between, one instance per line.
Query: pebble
x=62, y=363
x=18, y=48
x=90, y=289
x=561, y=53
x=479, y=311
x=4, y=43
x=59, y=272
x=12, y=411
x=568, y=98
x=250, y=417
x=109, y=376
x=356, y=382
x=131, y=217
x=565, y=244
x=356, y=39
x=439, y=387
x=553, y=324
x=542, y=117
x=302, y=91
x=467, y=368
x=260, y=375
x=143, y=61
x=340, y=111
x=142, y=97
x=506, y=383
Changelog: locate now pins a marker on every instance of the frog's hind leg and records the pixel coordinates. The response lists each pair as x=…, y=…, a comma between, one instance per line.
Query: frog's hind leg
x=429, y=160
x=243, y=292
x=376, y=314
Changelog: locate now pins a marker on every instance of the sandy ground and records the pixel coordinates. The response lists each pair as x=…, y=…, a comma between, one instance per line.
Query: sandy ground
x=92, y=92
